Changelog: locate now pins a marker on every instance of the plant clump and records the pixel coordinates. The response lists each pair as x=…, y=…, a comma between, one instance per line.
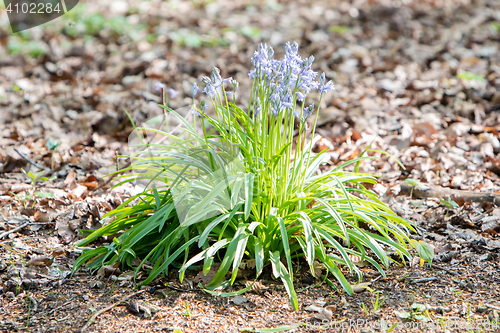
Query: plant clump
x=242, y=184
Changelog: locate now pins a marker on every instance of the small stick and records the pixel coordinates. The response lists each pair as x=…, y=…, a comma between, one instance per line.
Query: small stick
x=64, y=304
x=92, y=319
x=424, y=280
x=35, y=304
x=183, y=290
x=492, y=307
x=445, y=269
x=13, y=230
x=111, y=178
x=430, y=191
x=27, y=159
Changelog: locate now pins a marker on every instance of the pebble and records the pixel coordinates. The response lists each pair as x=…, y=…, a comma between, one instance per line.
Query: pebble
x=118, y=7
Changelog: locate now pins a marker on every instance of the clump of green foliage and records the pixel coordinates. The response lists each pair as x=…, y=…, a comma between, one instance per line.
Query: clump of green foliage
x=245, y=184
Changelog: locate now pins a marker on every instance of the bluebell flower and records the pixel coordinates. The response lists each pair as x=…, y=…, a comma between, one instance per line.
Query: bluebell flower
x=300, y=96
x=291, y=49
x=159, y=86
x=173, y=93
x=262, y=55
x=194, y=90
x=216, y=78
x=235, y=85
x=251, y=74
x=287, y=101
x=229, y=93
x=257, y=111
x=308, y=111
x=229, y=79
x=203, y=106
x=322, y=78
x=206, y=80
x=326, y=87
x=210, y=90
x=287, y=78
x=196, y=112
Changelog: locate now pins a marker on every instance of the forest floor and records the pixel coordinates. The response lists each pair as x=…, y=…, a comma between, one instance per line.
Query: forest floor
x=420, y=78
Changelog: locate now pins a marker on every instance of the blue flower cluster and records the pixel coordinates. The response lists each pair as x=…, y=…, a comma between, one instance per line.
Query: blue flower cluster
x=284, y=81
x=288, y=80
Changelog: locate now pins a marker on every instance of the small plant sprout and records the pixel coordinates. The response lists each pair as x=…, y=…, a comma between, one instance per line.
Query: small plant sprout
x=364, y=308
x=235, y=183
x=412, y=182
x=188, y=313
x=425, y=251
x=468, y=76
x=34, y=179
x=417, y=312
x=377, y=303
x=448, y=203
x=51, y=145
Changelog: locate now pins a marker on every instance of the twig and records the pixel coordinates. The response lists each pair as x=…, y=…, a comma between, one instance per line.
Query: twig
x=429, y=191
x=27, y=159
x=92, y=319
x=34, y=302
x=13, y=230
x=111, y=178
x=59, y=320
x=424, y=280
x=64, y=304
x=153, y=289
x=445, y=269
x=184, y=290
x=492, y=307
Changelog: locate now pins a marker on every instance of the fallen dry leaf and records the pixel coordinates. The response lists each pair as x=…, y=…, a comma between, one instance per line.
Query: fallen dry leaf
x=326, y=313
x=360, y=287
x=43, y=260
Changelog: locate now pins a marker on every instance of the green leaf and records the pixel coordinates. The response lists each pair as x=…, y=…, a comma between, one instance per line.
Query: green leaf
x=249, y=179
x=468, y=76
x=412, y=182
x=449, y=203
x=418, y=307
x=51, y=145
x=424, y=250
x=403, y=314
x=280, y=271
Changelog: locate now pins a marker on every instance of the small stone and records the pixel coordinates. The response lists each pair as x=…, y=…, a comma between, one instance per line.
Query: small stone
x=481, y=309
x=96, y=284
x=239, y=299
x=118, y=7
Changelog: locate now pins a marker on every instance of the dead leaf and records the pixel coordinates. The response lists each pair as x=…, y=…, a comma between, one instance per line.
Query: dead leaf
x=108, y=270
x=206, y=279
x=415, y=262
x=326, y=313
x=71, y=180
x=257, y=285
x=43, y=260
x=360, y=287
x=42, y=216
x=318, y=268
x=356, y=260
